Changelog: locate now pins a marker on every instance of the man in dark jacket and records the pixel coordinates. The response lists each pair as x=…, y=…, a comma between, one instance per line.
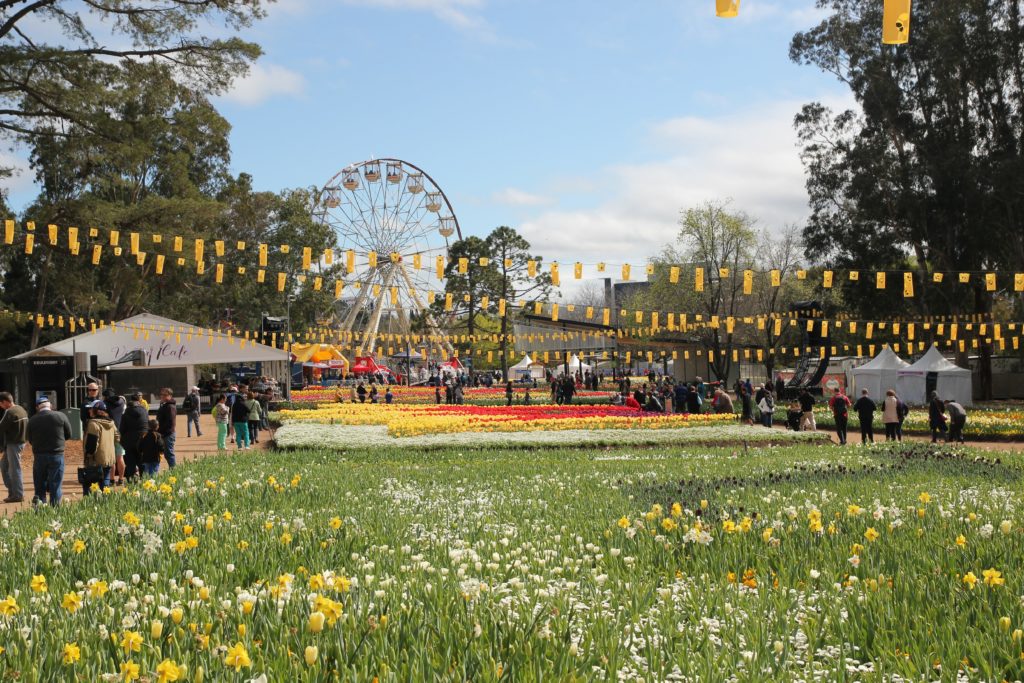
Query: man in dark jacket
x=47, y=432
x=866, y=408
x=13, y=426
x=134, y=423
x=681, y=397
x=807, y=423
x=167, y=418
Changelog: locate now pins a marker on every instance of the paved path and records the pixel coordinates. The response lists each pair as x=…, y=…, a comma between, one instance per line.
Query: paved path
x=185, y=449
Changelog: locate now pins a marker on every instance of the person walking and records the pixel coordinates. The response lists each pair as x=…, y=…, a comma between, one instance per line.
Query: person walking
x=222, y=418
x=807, y=423
x=47, y=433
x=134, y=423
x=361, y=392
x=150, y=448
x=191, y=407
x=866, y=408
x=167, y=419
x=693, y=400
x=746, y=406
x=936, y=416
x=767, y=407
x=101, y=436
x=255, y=415
x=240, y=420
x=891, y=415
x=957, y=420
x=509, y=393
x=13, y=428
x=902, y=409
x=840, y=405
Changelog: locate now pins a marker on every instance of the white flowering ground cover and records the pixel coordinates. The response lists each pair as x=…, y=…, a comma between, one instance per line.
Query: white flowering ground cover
x=339, y=436
x=803, y=563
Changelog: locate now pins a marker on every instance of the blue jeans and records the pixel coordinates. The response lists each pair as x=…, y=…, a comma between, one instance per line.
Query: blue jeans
x=10, y=466
x=193, y=417
x=149, y=469
x=169, y=449
x=48, y=476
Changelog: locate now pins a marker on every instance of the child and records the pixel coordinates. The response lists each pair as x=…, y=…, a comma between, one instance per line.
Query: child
x=151, y=449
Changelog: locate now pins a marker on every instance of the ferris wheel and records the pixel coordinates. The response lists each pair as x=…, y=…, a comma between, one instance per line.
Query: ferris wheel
x=394, y=209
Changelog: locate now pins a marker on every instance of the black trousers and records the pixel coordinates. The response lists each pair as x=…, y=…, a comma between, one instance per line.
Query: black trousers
x=956, y=429
x=867, y=431
x=841, y=423
x=891, y=431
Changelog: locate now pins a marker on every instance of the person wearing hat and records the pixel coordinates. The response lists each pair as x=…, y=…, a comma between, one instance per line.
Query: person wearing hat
x=191, y=406
x=12, y=442
x=47, y=432
x=101, y=439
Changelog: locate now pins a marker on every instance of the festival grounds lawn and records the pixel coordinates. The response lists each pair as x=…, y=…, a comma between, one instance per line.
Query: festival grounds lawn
x=801, y=562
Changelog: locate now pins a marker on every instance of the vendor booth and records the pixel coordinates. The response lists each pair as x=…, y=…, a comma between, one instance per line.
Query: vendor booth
x=934, y=373
x=526, y=369
x=878, y=374
x=146, y=352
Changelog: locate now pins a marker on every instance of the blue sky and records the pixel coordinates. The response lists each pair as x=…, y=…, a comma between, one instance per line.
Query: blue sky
x=587, y=125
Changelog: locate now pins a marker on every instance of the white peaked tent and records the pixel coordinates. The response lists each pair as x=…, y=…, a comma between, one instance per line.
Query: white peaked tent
x=951, y=381
x=574, y=365
x=878, y=374
x=526, y=368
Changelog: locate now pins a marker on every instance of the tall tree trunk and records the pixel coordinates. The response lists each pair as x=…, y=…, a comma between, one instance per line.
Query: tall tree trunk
x=983, y=304
x=44, y=279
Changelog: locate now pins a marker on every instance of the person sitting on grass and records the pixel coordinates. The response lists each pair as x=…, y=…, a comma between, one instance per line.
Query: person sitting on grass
x=631, y=402
x=151, y=449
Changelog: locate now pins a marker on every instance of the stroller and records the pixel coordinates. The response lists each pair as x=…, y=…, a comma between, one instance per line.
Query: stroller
x=793, y=415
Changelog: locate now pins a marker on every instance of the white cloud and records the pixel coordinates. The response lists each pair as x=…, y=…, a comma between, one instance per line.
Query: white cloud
x=750, y=157
x=511, y=196
x=265, y=81
x=462, y=14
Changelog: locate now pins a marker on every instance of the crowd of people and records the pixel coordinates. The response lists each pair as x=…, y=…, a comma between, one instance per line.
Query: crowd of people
x=120, y=441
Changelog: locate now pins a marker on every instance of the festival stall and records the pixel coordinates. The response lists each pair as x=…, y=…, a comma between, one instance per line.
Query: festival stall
x=878, y=374
x=526, y=369
x=934, y=372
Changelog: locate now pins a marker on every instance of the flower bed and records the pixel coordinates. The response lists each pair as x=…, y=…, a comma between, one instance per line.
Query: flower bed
x=982, y=424
x=668, y=564
x=413, y=420
x=426, y=396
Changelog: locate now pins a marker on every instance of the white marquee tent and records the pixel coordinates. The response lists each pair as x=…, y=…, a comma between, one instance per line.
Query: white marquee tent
x=575, y=365
x=951, y=381
x=526, y=368
x=878, y=374
x=166, y=345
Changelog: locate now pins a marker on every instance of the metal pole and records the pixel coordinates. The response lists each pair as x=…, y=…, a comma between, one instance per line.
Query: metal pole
x=287, y=351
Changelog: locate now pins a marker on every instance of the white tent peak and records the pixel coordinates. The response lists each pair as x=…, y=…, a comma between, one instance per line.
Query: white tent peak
x=885, y=360
x=934, y=361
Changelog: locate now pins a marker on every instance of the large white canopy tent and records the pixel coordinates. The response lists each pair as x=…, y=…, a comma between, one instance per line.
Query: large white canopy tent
x=878, y=374
x=166, y=345
x=951, y=381
x=575, y=365
x=526, y=368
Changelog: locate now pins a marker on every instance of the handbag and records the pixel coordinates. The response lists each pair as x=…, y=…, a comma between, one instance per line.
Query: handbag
x=89, y=475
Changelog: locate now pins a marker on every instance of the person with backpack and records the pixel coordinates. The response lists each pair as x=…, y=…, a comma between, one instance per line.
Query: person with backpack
x=840, y=405
x=222, y=418
x=100, y=455
x=766, y=405
x=134, y=423
x=866, y=408
x=116, y=405
x=150, y=447
x=191, y=407
x=902, y=409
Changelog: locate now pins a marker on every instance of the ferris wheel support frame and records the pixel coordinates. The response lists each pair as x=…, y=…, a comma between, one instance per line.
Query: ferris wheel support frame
x=357, y=306
x=370, y=338
x=442, y=343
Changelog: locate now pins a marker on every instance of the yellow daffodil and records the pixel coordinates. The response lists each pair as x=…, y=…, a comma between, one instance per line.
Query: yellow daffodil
x=71, y=602
x=131, y=641
x=335, y=523
x=993, y=577
x=871, y=535
x=924, y=497
x=71, y=653
x=131, y=519
x=168, y=670
x=78, y=547
x=970, y=580
x=623, y=522
x=129, y=671
x=97, y=589
x=9, y=606
x=38, y=583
